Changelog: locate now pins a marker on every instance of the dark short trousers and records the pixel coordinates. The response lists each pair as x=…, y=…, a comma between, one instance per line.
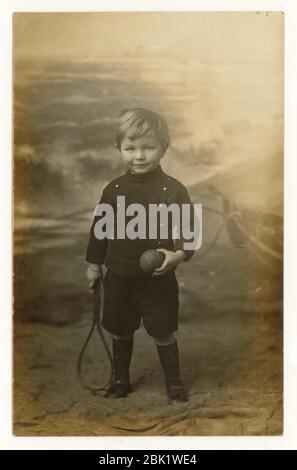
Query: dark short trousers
x=127, y=300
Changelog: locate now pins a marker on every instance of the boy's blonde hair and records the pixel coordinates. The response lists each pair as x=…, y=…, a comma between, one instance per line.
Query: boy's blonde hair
x=136, y=122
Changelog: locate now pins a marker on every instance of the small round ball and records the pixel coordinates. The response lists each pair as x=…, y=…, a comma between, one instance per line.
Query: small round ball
x=150, y=260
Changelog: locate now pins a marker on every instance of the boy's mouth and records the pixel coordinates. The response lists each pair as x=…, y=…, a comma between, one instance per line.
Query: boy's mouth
x=140, y=168
x=140, y=165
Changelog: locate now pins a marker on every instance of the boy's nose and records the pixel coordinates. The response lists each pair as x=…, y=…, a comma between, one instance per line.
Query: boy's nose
x=140, y=155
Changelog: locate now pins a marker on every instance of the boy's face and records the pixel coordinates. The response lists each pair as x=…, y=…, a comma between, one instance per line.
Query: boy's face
x=141, y=155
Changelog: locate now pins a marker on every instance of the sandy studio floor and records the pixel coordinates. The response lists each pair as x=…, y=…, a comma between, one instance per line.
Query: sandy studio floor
x=230, y=340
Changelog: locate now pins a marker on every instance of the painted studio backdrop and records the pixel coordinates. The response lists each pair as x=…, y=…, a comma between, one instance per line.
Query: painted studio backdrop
x=217, y=78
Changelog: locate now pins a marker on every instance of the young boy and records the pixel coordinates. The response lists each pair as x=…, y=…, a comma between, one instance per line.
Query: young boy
x=129, y=293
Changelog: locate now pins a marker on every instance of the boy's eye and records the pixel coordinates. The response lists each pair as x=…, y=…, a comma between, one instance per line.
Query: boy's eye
x=129, y=149
x=151, y=147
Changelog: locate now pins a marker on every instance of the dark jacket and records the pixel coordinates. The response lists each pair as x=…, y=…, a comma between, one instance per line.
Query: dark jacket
x=156, y=187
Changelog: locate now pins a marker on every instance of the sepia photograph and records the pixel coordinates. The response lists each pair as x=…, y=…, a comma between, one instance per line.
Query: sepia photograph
x=148, y=156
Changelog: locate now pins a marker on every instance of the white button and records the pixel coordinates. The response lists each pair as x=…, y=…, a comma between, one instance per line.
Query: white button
x=164, y=188
x=116, y=185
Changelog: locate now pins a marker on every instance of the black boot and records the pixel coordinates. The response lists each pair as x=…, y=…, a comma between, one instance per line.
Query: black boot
x=122, y=353
x=169, y=358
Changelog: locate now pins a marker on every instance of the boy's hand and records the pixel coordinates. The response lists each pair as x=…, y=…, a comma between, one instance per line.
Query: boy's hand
x=172, y=259
x=93, y=273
